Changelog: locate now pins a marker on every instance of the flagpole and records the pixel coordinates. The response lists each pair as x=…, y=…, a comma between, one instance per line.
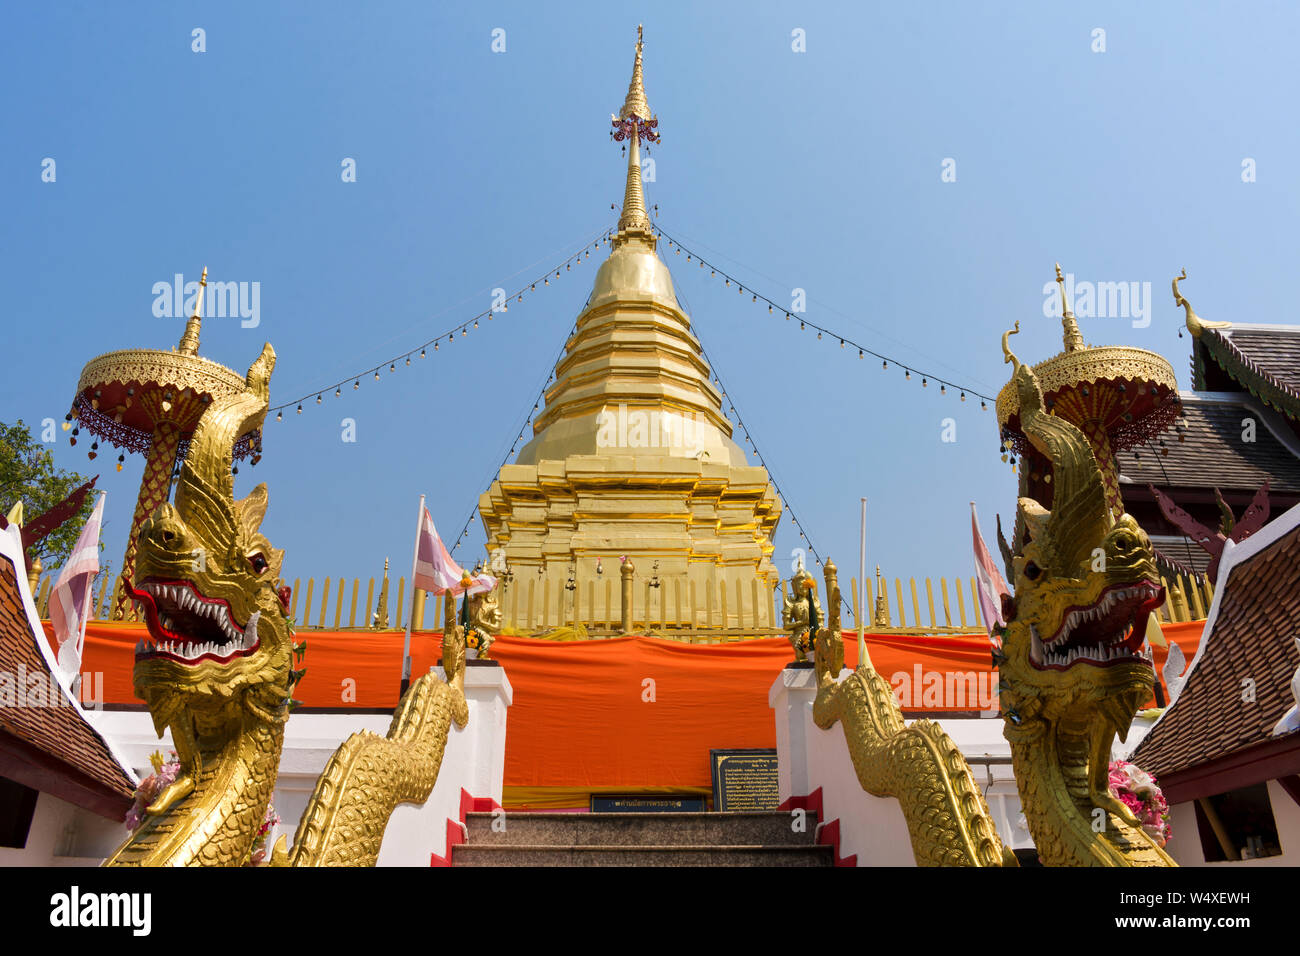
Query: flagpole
x=862, y=585
x=410, y=613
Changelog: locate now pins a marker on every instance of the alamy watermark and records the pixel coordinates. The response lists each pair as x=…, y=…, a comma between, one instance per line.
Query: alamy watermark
x=224, y=300
x=32, y=689
x=945, y=690
x=1100, y=300
x=649, y=428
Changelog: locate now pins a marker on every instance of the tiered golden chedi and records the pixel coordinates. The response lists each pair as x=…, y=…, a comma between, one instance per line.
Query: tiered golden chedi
x=633, y=457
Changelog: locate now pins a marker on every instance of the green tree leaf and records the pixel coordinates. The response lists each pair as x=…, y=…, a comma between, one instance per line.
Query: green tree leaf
x=27, y=474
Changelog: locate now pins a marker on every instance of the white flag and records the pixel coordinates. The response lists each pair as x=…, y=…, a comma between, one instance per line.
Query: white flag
x=435, y=569
x=70, y=599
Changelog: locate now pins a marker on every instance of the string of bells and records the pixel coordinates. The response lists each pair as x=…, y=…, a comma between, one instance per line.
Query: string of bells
x=804, y=323
x=444, y=338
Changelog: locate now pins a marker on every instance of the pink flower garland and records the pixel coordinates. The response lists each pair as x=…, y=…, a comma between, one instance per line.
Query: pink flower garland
x=165, y=772
x=1139, y=791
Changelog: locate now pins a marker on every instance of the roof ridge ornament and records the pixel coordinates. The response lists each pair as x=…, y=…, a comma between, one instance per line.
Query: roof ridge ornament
x=1195, y=324
x=635, y=122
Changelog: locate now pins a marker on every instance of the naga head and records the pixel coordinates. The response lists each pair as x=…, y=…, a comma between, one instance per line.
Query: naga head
x=1085, y=584
x=1074, y=665
x=220, y=644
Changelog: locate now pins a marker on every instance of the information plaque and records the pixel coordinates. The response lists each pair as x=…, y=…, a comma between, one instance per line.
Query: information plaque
x=744, y=779
x=645, y=803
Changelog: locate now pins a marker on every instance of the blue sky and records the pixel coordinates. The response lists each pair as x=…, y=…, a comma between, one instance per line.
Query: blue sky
x=820, y=170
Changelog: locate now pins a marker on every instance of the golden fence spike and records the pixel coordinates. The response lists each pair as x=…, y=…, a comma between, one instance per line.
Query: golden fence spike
x=1193, y=591
x=324, y=600
x=401, y=603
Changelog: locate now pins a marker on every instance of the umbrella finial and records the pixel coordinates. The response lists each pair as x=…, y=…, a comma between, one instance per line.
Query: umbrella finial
x=189, y=344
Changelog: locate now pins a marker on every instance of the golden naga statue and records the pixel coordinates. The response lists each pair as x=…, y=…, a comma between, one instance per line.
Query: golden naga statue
x=218, y=671
x=1073, y=666
x=801, y=613
x=485, y=619
x=947, y=816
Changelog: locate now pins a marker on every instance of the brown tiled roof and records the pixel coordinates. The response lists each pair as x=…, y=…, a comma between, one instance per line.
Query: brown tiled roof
x=1275, y=351
x=1252, y=639
x=1212, y=453
x=1265, y=360
x=51, y=748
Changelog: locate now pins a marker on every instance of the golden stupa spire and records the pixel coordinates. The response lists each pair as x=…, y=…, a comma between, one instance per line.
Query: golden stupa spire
x=635, y=122
x=1073, y=338
x=189, y=344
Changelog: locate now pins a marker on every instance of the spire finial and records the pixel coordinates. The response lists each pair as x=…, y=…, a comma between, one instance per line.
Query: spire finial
x=189, y=344
x=1073, y=338
x=635, y=122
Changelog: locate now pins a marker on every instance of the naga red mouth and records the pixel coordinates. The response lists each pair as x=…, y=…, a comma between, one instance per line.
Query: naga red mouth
x=187, y=627
x=1110, y=631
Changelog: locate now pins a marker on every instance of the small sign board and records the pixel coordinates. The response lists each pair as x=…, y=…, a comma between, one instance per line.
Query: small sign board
x=645, y=803
x=744, y=779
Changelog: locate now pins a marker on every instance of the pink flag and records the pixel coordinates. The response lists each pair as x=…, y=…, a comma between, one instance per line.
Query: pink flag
x=435, y=569
x=70, y=598
x=991, y=585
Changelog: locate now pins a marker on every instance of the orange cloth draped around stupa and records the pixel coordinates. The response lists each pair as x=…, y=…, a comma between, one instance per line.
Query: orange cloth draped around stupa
x=584, y=718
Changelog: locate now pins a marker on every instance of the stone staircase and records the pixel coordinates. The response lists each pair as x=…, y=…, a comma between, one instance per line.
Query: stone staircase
x=764, y=838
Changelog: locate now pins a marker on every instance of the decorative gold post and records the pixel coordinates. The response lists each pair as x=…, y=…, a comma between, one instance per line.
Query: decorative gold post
x=625, y=572
x=832, y=596
x=381, y=610
x=881, y=618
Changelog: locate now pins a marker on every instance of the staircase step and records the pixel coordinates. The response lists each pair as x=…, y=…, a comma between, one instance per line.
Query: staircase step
x=468, y=854
x=710, y=830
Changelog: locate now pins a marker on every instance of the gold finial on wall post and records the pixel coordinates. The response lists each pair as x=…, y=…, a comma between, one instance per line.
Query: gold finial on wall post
x=832, y=596
x=189, y=344
x=626, y=570
x=881, y=618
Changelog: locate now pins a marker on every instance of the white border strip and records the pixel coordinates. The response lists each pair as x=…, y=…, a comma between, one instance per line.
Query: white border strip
x=1233, y=555
x=11, y=547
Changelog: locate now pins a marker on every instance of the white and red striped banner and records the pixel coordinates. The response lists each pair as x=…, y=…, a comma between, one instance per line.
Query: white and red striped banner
x=991, y=585
x=435, y=569
x=70, y=598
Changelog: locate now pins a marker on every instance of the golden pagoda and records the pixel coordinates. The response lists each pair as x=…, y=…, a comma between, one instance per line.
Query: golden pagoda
x=632, y=470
